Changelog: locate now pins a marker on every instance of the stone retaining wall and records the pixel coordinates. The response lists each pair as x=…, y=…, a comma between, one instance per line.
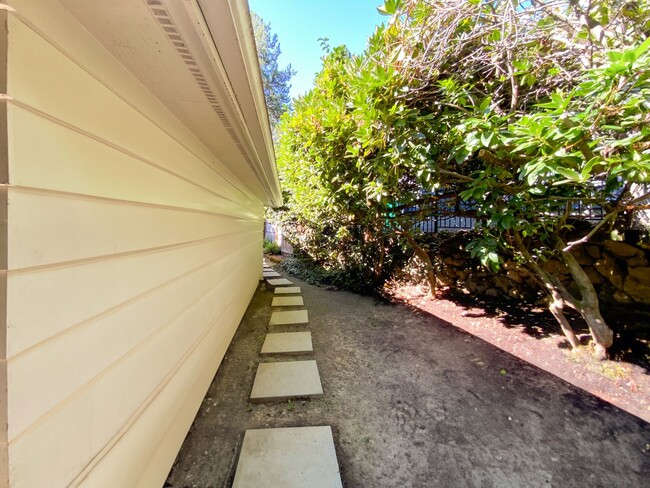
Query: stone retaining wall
x=619, y=271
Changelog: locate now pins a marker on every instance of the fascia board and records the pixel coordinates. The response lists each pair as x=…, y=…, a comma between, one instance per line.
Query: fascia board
x=192, y=23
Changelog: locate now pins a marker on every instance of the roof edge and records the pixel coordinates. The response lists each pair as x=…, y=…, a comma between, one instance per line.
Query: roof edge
x=244, y=27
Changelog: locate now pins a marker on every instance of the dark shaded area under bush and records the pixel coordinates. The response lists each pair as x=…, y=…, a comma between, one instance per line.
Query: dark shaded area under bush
x=616, y=268
x=351, y=279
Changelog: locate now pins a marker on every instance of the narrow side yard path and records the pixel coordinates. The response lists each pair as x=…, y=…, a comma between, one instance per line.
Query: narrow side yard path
x=415, y=402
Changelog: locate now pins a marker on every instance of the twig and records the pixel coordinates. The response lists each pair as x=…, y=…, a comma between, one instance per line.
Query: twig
x=639, y=199
x=586, y=238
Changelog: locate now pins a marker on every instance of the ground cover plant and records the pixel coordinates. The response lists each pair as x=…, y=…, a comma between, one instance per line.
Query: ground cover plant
x=529, y=110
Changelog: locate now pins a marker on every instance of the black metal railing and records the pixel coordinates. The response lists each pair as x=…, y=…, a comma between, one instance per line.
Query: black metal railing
x=451, y=214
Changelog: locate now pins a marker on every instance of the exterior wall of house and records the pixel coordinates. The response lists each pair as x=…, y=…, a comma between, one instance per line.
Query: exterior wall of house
x=131, y=256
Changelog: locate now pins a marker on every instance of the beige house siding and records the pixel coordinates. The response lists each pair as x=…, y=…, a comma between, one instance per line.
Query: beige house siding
x=4, y=475
x=132, y=254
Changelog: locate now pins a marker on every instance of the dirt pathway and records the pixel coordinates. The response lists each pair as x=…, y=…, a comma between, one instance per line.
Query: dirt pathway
x=414, y=402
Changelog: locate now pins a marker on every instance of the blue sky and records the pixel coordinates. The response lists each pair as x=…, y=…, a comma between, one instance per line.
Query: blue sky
x=299, y=24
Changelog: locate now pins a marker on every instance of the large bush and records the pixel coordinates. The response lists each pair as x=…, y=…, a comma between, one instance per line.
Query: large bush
x=528, y=109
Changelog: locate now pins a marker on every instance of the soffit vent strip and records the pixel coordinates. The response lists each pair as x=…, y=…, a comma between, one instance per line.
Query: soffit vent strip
x=166, y=23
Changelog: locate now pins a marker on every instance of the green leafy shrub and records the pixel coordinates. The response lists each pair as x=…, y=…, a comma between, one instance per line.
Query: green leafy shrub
x=271, y=247
x=528, y=109
x=353, y=279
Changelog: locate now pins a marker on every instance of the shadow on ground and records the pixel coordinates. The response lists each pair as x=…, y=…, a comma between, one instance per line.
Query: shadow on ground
x=630, y=324
x=414, y=402
x=631, y=336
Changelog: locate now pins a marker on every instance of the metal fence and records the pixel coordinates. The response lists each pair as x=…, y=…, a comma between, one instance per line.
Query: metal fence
x=437, y=224
x=454, y=215
x=588, y=211
x=446, y=215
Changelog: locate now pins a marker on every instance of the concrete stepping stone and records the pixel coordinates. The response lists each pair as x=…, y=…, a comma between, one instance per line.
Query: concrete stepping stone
x=279, y=282
x=287, y=302
x=287, y=343
x=287, y=290
x=294, y=457
x=276, y=382
x=271, y=274
x=289, y=317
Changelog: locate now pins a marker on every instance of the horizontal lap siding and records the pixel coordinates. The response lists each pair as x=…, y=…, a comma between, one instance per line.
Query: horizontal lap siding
x=132, y=257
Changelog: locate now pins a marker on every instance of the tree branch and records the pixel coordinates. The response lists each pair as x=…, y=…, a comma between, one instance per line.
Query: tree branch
x=639, y=199
x=571, y=245
x=459, y=176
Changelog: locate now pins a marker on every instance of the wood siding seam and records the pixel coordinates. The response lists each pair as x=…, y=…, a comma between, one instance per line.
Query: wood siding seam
x=134, y=203
x=103, y=295
x=90, y=320
x=137, y=347
x=120, y=255
x=108, y=87
x=152, y=396
x=116, y=147
x=137, y=414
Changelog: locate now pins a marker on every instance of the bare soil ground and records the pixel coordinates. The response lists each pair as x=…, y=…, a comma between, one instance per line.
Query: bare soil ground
x=415, y=401
x=533, y=335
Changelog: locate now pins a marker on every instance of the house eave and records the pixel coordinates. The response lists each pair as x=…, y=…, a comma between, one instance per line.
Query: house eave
x=243, y=22
x=198, y=57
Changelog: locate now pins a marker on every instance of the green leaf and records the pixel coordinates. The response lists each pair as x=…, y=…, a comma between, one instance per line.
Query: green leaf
x=645, y=45
x=485, y=104
x=586, y=171
x=614, y=56
x=495, y=35
x=389, y=7
x=629, y=56
x=507, y=222
x=614, y=128
x=526, y=145
x=461, y=155
x=568, y=173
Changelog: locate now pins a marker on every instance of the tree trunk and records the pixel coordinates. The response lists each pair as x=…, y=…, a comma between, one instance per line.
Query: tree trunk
x=589, y=307
x=425, y=260
x=380, y=263
x=603, y=336
x=556, y=306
